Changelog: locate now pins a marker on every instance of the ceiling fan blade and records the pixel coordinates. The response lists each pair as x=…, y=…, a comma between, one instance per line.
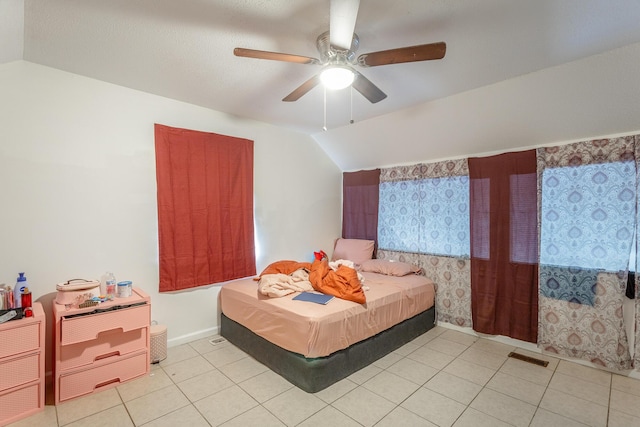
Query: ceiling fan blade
x=423, y=52
x=368, y=89
x=274, y=56
x=342, y=22
x=302, y=89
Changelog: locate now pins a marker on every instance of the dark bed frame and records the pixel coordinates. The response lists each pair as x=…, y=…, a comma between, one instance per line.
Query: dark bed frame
x=315, y=374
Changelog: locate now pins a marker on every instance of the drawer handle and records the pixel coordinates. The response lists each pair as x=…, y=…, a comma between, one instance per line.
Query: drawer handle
x=117, y=329
x=106, y=383
x=105, y=356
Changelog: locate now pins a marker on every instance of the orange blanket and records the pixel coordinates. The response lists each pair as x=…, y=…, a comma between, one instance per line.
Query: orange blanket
x=342, y=283
x=285, y=267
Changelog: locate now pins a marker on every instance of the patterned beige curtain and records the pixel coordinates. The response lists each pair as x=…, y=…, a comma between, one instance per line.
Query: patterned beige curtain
x=425, y=170
x=452, y=275
x=587, y=197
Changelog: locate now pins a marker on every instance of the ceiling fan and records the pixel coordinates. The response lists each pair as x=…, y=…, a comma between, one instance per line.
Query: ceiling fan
x=337, y=48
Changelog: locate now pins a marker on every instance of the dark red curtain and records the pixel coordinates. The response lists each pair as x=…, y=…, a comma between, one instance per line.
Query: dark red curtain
x=205, y=207
x=504, y=245
x=360, y=194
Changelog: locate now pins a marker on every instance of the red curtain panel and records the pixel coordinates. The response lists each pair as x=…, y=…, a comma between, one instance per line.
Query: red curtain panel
x=205, y=207
x=360, y=193
x=504, y=245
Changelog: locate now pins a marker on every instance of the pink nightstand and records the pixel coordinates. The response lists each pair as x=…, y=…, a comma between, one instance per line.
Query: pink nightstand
x=22, y=366
x=100, y=347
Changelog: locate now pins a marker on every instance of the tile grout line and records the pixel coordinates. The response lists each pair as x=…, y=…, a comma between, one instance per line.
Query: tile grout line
x=234, y=383
x=423, y=384
x=439, y=371
x=124, y=404
x=537, y=406
x=475, y=344
x=174, y=383
x=223, y=374
x=483, y=387
x=546, y=387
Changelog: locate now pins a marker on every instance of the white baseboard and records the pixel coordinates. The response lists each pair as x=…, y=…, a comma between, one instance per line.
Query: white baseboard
x=534, y=348
x=193, y=336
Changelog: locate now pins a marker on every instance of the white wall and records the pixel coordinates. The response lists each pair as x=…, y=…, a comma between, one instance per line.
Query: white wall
x=11, y=30
x=78, y=189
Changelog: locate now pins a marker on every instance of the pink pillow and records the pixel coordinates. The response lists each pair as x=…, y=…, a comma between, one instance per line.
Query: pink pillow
x=390, y=268
x=355, y=250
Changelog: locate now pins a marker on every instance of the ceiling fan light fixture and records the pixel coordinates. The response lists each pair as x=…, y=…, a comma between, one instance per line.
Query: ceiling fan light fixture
x=337, y=77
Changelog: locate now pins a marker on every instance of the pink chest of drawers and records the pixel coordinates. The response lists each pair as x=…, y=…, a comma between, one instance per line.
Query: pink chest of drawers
x=22, y=366
x=102, y=346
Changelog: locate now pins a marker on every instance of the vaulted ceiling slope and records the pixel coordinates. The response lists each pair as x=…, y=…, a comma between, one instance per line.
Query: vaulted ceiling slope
x=184, y=50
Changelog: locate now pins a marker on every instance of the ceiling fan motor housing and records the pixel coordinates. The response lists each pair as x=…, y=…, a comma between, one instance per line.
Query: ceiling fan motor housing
x=334, y=55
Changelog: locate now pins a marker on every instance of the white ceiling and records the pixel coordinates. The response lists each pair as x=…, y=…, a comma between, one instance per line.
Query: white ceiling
x=184, y=49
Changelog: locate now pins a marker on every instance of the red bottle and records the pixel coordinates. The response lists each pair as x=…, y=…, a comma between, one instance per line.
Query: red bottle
x=26, y=298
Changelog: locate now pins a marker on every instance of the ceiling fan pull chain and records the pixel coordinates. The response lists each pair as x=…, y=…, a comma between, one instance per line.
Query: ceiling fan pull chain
x=324, y=90
x=351, y=113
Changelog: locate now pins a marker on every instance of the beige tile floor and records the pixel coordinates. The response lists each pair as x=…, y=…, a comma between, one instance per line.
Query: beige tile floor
x=442, y=378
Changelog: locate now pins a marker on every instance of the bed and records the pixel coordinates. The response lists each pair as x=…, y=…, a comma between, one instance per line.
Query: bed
x=314, y=345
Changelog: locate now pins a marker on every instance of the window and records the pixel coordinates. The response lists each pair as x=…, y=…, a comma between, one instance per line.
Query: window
x=587, y=226
x=428, y=216
x=523, y=223
x=205, y=208
x=588, y=215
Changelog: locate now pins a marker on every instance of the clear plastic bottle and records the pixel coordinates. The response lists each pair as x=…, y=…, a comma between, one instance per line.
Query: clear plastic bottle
x=21, y=284
x=109, y=283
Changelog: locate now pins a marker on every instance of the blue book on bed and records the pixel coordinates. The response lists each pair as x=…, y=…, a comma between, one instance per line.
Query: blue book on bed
x=313, y=297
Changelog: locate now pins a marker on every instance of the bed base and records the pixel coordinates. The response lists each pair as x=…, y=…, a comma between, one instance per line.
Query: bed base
x=315, y=374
